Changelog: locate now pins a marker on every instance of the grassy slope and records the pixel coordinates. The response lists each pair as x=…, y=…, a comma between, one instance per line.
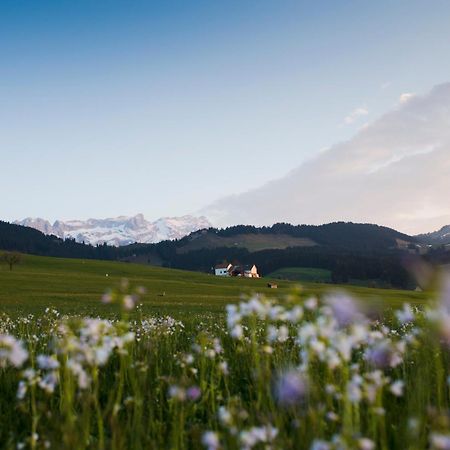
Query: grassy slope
x=74, y=285
x=302, y=274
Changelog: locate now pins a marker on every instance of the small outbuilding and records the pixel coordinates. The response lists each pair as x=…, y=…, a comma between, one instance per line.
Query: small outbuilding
x=272, y=285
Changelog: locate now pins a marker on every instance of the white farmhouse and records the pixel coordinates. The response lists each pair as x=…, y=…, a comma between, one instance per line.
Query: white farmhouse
x=251, y=271
x=223, y=270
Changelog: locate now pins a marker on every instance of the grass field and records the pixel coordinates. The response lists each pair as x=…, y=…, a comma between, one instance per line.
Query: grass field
x=73, y=285
x=303, y=371
x=300, y=274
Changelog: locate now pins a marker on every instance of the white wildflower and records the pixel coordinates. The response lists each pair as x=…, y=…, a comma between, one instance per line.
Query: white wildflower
x=210, y=440
x=397, y=388
x=12, y=351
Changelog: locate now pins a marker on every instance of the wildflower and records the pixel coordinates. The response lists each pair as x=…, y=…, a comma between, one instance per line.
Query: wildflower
x=129, y=302
x=397, y=388
x=320, y=445
x=107, y=297
x=440, y=441
x=283, y=333
x=332, y=416
x=256, y=435
x=225, y=416
x=354, y=389
x=380, y=355
x=223, y=367
x=311, y=304
x=344, y=309
x=233, y=317
x=12, y=351
x=366, y=444
x=295, y=314
x=445, y=294
x=405, y=315
x=22, y=390
x=272, y=333
x=193, y=393
x=47, y=362
x=83, y=378
x=237, y=332
x=291, y=388
x=210, y=440
x=177, y=393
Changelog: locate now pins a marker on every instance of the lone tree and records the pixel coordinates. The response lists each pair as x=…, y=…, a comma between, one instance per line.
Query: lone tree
x=11, y=258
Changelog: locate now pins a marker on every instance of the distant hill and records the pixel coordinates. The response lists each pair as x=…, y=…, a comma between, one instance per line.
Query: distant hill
x=284, y=235
x=441, y=237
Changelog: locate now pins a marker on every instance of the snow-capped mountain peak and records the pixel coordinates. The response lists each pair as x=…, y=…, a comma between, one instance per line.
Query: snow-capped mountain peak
x=122, y=230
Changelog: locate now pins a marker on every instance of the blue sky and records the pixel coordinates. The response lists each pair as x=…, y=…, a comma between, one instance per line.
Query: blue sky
x=119, y=107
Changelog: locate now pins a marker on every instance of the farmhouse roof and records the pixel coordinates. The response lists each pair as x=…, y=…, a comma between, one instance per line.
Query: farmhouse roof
x=222, y=266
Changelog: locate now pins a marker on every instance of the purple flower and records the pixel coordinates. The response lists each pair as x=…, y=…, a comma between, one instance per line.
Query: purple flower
x=344, y=309
x=380, y=356
x=445, y=295
x=193, y=393
x=291, y=388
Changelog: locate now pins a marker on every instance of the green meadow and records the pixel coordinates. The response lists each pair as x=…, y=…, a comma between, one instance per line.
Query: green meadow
x=309, y=274
x=76, y=286
x=198, y=363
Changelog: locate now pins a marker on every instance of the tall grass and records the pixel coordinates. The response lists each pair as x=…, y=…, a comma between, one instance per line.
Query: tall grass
x=304, y=373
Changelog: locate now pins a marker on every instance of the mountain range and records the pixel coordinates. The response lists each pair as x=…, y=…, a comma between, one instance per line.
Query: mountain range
x=119, y=231
x=125, y=230
x=440, y=237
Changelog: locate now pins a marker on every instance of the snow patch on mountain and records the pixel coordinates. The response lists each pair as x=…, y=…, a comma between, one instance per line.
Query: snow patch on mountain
x=121, y=230
x=441, y=237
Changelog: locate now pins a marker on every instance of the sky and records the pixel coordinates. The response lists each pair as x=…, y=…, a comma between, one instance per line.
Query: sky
x=114, y=108
x=395, y=171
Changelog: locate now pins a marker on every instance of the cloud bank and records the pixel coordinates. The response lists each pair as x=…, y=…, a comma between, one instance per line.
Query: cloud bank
x=355, y=115
x=395, y=171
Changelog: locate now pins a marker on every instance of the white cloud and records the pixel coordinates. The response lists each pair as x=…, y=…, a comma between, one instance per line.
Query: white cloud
x=395, y=172
x=406, y=97
x=355, y=114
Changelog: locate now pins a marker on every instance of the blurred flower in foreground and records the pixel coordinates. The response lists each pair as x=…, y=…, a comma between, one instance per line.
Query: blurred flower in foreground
x=125, y=297
x=210, y=440
x=440, y=441
x=405, y=315
x=255, y=435
x=397, y=388
x=291, y=388
x=12, y=351
x=193, y=393
x=344, y=309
